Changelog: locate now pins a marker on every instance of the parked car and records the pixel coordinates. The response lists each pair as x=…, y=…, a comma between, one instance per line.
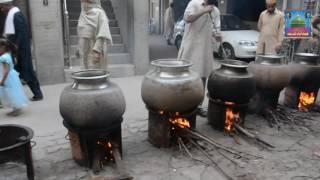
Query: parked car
x=238, y=40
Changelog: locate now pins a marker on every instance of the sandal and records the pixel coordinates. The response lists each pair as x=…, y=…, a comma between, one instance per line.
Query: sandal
x=15, y=112
x=202, y=112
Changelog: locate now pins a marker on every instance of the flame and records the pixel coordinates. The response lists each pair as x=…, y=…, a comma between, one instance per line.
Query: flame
x=305, y=100
x=230, y=118
x=176, y=119
x=229, y=103
x=180, y=122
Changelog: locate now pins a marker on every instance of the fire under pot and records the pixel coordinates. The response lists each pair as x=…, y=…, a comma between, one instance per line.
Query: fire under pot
x=92, y=109
x=96, y=147
x=172, y=94
x=222, y=115
x=163, y=125
x=305, y=82
x=229, y=91
x=271, y=77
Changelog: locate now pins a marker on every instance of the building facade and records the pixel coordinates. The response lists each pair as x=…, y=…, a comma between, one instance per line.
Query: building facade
x=131, y=22
x=47, y=25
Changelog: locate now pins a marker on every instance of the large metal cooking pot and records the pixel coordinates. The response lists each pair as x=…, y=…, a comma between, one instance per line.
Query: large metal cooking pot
x=232, y=82
x=92, y=101
x=15, y=146
x=270, y=73
x=305, y=70
x=171, y=86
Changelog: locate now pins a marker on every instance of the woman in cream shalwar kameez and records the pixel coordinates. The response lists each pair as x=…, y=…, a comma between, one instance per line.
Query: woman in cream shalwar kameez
x=271, y=27
x=197, y=41
x=94, y=33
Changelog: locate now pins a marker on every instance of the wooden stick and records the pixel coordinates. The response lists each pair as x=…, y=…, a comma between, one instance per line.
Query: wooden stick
x=250, y=135
x=208, y=156
x=271, y=111
x=185, y=147
x=212, y=142
x=189, y=153
x=124, y=175
x=222, y=154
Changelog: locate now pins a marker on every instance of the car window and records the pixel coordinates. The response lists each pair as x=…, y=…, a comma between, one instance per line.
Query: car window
x=232, y=23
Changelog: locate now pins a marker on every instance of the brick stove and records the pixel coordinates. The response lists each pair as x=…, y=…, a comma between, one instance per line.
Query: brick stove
x=172, y=94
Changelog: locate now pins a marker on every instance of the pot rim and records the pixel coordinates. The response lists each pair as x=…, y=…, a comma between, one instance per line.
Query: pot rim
x=104, y=74
x=18, y=144
x=180, y=63
x=234, y=63
x=307, y=55
x=272, y=56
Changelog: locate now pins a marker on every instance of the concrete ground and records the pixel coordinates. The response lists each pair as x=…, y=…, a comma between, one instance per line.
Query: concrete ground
x=296, y=156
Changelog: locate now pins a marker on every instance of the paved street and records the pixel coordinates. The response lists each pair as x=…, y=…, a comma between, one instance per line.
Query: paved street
x=296, y=156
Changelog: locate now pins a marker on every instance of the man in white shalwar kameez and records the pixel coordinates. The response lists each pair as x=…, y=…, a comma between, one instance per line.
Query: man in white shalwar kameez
x=271, y=27
x=169, y=23
x=94, y=34
x=196, y=45
x=197, y=42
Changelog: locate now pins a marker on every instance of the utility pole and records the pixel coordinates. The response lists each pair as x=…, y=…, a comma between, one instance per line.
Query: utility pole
x=317, y=8
x=284, y=5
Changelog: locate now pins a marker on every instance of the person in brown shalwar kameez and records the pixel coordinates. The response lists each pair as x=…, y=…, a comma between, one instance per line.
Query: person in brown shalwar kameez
x=94, y=33
x=271, y=27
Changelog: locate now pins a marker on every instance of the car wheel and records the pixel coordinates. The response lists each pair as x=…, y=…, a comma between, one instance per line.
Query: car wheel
x=178, y=42
x=228, y=51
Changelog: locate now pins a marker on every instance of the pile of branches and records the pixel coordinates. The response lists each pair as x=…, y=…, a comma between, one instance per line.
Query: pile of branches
x=294, y=118
x=190, y=138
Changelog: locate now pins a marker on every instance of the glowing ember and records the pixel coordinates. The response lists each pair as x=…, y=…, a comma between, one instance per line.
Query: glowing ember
x=305, y=100
x=108, y=154
x=107, y=145
x=180, y=122
x=231, y=117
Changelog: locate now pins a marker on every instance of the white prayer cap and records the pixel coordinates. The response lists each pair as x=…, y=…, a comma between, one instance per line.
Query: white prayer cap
x=271, y=1
x=5, y=1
